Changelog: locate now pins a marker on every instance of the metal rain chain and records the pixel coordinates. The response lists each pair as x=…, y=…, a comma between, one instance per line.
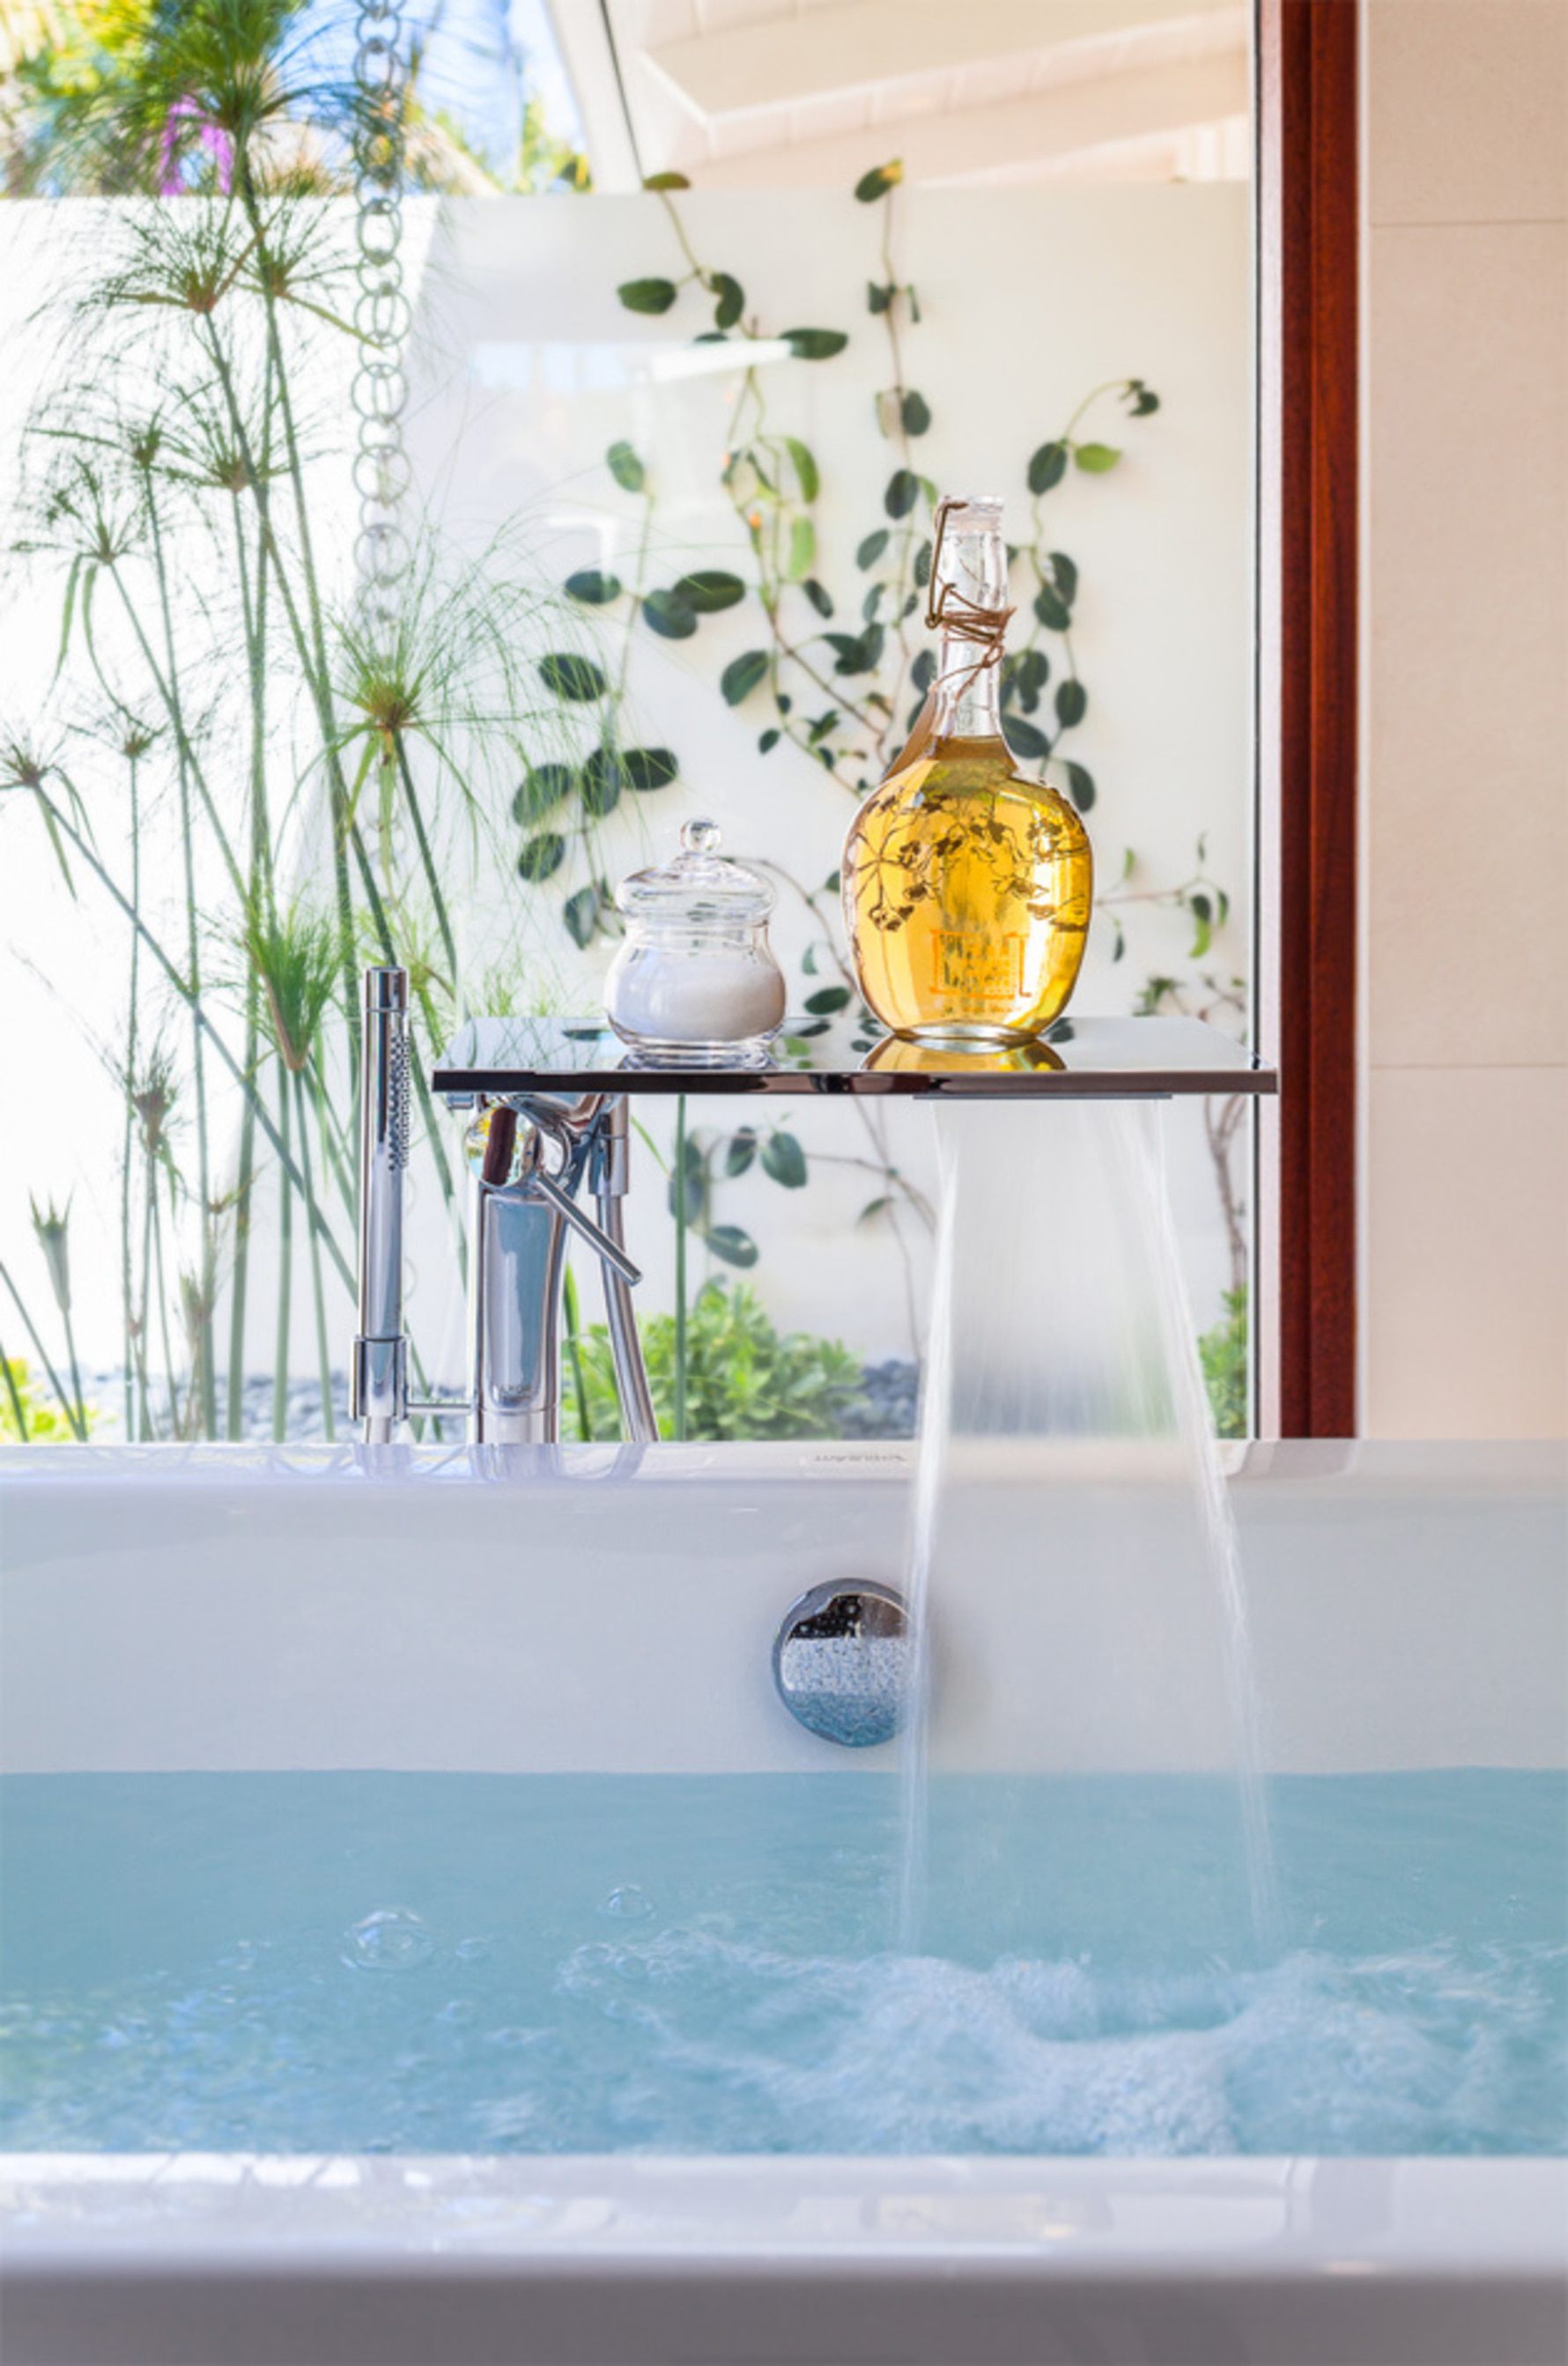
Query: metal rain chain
x=380, y=313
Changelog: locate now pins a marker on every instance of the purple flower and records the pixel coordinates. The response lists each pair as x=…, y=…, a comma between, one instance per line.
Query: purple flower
x=217, y=144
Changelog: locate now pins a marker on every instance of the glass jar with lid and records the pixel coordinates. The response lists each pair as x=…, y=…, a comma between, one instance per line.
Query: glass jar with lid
x=696, y=979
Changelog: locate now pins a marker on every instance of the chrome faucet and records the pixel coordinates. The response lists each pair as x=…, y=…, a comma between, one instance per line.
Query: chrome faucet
x=528, y=1155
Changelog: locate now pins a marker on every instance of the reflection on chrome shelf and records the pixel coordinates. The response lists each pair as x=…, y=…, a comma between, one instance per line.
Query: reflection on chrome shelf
x=1084, y=1058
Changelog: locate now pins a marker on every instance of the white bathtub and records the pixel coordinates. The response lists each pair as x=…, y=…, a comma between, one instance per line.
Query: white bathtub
x=226, y=1609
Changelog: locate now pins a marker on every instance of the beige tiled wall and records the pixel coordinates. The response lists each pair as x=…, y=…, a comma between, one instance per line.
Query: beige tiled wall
x=1465, y=1295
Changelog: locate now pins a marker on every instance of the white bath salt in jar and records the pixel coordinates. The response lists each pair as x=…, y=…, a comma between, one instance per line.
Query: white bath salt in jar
x=694, y=981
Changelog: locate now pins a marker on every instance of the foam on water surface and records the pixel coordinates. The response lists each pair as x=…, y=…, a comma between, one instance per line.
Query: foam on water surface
x=334, y=1962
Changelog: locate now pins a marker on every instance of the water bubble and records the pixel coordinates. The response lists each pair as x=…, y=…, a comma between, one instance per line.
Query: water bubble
x=628, y=1904
x=393, y=1939
x=471, y=1950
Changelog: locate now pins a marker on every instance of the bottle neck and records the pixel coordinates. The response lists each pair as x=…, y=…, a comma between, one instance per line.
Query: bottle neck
x=968, y=692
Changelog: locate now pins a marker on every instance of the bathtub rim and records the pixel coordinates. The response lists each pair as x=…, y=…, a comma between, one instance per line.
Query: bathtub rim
x=1530, y=1467
x=1201, y=2215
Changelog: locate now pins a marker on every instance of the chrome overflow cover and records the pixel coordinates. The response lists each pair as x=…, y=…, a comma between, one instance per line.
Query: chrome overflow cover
x=842, y=1661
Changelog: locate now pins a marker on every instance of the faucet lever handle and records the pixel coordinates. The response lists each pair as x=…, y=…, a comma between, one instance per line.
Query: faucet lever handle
x=544, y=1186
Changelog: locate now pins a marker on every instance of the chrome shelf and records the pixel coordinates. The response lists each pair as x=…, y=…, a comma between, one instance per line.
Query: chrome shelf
x=1079, y=1059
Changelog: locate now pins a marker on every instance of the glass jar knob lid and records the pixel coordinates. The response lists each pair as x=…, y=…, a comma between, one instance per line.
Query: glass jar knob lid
x=697, y=884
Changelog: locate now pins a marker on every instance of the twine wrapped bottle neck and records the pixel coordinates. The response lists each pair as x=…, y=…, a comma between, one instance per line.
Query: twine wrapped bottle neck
x=964, y=699
x=974, y=629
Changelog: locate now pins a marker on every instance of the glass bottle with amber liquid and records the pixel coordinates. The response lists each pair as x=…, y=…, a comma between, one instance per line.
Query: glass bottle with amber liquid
x=966, y=888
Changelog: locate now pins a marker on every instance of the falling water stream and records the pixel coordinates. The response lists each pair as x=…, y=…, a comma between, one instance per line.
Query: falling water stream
x=1059, y=1313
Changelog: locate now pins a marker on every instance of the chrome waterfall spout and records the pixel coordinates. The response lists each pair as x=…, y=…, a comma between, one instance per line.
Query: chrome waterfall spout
x=529, y=1155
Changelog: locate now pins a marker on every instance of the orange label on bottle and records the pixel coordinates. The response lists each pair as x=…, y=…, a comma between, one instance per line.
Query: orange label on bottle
x=978, y=968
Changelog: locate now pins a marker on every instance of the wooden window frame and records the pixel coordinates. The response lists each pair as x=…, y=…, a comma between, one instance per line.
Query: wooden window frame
x=1307, y=904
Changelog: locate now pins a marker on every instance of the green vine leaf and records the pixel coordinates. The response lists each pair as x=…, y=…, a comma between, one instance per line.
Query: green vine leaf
x=742, y=674
x=741, y=1151
x=885, y=406
x=1066, y=575
x=1023, y=739
x=1028, y=675
x=1094, y=459
x=649, y=768
x=903, y=491
x=923, y=571
x=571, y=676
x=802, y=549
x=879, y=180
x=647, y=294
x=768, y=740
x=783, y=1161
x=855, y=652
x=625, y=468
x=815, y=345
x=592, y=587
x=687, y=1189
x=871, y=548
x=922, y=674
x=657, y=181
x=917, y=414
x=709, y=589
x=1047, y=467
x=731, y=299
x=878, y=298
x=543, y=787
x=728, y=1242
x=1052, y=609
x=807, y=473
x=1081, y=786
x=826, y=999
x=1203, y=912
x=602, y=780
x=671, y=615
x=580, y=913
x=1145, y=398
x=1072, y=702
x=818, y=596
x=540, y=856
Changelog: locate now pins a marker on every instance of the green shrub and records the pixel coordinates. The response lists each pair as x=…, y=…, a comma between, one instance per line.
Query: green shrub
x=41, y=1418
x=1222, y=1353
x=743, y=1377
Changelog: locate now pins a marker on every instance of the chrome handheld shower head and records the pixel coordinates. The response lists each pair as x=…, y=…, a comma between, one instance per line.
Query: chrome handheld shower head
x=379, y=1397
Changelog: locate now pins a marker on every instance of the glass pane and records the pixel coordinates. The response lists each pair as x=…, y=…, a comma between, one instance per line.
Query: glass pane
x=399, y=579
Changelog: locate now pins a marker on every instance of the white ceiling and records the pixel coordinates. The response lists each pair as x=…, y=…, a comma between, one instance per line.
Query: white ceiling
x=792, y=93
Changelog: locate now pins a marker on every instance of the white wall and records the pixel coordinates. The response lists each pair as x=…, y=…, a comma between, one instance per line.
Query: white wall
x=1465, y=584
x=528, y=367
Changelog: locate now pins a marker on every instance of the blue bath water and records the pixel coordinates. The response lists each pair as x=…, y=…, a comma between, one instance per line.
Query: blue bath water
x=582, y=1964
